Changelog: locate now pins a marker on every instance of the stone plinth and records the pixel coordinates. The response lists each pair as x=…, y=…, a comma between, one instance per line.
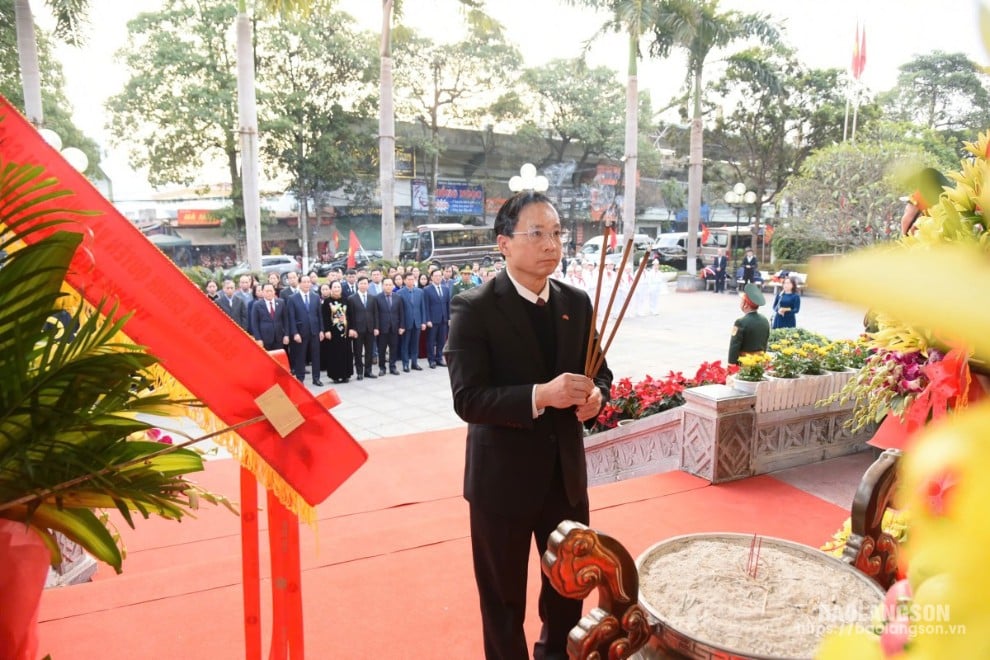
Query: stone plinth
x=644, y=446
x=719, y=427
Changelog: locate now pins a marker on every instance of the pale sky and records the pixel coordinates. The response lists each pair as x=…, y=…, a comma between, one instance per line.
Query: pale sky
x=822, y=32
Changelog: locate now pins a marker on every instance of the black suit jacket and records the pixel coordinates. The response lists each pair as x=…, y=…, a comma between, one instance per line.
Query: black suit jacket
x=389, y=319
x=360, y=318
x=494, y=360
x=270, y=331
x=235, y=309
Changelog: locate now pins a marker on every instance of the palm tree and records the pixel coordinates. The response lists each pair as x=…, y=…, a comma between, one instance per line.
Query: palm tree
x=633, y=17
x=698, y=27
x=386, y=132
x=247, y=111
x=69, y=14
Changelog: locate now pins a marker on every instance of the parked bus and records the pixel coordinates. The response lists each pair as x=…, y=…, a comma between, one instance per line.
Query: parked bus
x=449, y=244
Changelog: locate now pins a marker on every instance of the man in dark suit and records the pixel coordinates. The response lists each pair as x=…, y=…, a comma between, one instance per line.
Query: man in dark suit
x=389, y=326
x=750, y=266
x=348, y=285
x=292, y=286
x=269, y=324
x=720, y=265
x=306, y=327
x=437, y=317
x=361, y=328
x=516, y=354
x=415, y=321
x=233, y=305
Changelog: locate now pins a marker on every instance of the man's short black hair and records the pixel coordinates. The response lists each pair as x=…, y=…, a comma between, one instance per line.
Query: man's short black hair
x=363, y=277
x=508, y=214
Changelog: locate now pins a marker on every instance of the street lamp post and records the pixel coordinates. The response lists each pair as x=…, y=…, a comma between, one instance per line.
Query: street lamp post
x=738, y=198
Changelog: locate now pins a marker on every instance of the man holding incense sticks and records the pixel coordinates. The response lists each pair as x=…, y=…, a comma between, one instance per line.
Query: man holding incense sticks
x=517, y=353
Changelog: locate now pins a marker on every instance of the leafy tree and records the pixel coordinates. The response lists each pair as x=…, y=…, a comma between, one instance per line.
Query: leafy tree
x=674, y=196
x=848, y=193
x=777, y=113
x=439, y=85
x=569, y=103
x=633, y=18
x=51, y=90
x=698, y=27
x=941, y=91
x=178, y=110
x=317, y=75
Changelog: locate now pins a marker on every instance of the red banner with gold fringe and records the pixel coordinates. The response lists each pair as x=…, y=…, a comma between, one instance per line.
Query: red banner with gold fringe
x=196, y=343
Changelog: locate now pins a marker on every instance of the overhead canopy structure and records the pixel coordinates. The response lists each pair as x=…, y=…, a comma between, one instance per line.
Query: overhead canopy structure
x=165, y=240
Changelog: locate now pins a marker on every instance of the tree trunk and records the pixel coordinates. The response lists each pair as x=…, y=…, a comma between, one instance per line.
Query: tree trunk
x=632, y=150
x=27, y=55
x=248, y=116
x=386, y=137
x=695, y=178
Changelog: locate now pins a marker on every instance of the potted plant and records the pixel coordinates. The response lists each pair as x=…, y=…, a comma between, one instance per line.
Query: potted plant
x=71, y=444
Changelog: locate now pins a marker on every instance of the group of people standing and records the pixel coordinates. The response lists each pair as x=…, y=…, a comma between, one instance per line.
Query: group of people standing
x=346, y=326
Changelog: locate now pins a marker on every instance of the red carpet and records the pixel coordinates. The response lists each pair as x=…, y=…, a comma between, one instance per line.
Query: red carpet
x=387, y=573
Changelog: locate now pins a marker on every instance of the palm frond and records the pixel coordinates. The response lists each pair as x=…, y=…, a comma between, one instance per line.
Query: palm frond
x=70, y=395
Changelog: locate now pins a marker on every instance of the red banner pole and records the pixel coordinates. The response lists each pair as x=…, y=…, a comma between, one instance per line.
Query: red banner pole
x=250, y=566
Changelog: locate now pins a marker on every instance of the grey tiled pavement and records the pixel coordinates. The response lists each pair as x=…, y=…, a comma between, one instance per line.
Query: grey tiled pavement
x=691, y=328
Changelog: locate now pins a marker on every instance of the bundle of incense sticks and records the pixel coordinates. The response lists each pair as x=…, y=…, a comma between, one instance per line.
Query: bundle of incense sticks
x=595, y=352
x=753, y=564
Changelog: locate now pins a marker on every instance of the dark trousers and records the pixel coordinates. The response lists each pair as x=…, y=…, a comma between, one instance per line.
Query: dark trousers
x=436, y=337
x=362, y=349
x=500, y=548
x=388, y=339
x=306, y=351
x=719, y=282
x=409, y=346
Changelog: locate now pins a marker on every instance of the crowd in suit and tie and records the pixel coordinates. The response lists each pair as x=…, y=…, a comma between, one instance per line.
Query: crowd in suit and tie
x=344, y=328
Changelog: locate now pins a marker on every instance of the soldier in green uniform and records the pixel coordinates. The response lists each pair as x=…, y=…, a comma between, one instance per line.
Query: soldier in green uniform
x=751, y=331
x=464, y=283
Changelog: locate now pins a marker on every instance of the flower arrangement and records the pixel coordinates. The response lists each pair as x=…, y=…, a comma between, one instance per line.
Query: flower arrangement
x=889, y=382
x=786, y=361
x=649, y=396
x=928, y=336
x=753, y=367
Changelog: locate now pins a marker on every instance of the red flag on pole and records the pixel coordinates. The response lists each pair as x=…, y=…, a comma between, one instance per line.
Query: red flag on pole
x=336, y=240
x=353, y=245
x=862, y=52
x=705, y=234
x=859, y=53
x=612, y=238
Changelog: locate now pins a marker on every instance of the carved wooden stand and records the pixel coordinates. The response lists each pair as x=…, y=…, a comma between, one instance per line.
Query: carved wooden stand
x=869, y=548
x=578, y=560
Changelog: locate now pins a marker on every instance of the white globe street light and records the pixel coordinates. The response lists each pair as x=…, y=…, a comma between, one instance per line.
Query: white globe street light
x=72, y=155
x=738, y=198
x=528, y=180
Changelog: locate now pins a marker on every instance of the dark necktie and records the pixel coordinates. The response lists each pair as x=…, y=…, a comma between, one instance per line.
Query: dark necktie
x=306, y=302
x=271, y=309
x=388, y=301
x=540, y=302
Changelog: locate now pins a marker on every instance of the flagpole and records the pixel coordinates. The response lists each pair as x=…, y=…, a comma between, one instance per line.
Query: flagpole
x=845, y=123
x=855, y=115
